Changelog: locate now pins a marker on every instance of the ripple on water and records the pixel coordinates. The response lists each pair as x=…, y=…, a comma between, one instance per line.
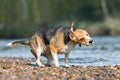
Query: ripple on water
x=104, y=51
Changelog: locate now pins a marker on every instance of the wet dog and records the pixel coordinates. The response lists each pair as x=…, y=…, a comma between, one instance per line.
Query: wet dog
x=52, y=41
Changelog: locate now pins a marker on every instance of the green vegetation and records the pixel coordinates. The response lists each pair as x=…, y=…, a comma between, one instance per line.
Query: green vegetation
x=21, y=18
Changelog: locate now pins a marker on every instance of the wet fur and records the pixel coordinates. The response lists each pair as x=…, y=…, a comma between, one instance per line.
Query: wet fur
x=52, y=41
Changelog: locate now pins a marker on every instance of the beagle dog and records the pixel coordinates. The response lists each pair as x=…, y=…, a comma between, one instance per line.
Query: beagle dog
x=52, y=41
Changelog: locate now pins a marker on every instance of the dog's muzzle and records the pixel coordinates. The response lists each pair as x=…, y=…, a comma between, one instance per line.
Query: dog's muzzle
x=91, y=41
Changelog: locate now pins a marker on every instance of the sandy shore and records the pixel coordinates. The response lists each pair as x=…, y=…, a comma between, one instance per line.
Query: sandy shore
x=19, y=69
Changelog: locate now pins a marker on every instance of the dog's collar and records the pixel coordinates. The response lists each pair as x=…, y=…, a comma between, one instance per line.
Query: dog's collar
x=79, y=45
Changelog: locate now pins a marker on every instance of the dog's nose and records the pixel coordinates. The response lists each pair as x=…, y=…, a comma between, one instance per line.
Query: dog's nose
x=91, y=41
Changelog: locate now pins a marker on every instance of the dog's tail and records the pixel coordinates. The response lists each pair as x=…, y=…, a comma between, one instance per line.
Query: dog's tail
x=26, y=42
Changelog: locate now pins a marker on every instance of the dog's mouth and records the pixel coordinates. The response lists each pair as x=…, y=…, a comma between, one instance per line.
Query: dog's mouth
x=87, y=43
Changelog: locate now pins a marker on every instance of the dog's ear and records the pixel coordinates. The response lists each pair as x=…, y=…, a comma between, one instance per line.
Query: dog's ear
x=72, y=36
x=71, y=27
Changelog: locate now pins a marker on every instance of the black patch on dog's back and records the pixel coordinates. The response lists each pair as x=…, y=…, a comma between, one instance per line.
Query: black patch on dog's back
x=47, y=33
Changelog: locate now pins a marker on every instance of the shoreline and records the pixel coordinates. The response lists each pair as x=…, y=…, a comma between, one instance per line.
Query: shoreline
x=19, y=69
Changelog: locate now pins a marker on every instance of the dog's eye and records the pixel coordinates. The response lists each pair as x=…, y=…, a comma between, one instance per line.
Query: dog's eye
x=87, y=34
x=81, y=39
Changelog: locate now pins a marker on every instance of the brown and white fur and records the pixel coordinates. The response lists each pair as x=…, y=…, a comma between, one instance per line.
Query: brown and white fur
x=52, y=41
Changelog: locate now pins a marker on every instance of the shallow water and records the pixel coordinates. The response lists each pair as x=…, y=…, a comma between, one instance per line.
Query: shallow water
x=104, y=51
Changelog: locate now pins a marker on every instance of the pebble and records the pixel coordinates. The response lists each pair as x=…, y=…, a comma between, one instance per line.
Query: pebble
x=19, y=68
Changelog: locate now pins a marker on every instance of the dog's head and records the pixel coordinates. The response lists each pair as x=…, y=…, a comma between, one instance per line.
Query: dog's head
x=80, y=36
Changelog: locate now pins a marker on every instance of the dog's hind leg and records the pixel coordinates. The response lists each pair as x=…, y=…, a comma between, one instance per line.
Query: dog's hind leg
x=37, y=54
x=37, y=48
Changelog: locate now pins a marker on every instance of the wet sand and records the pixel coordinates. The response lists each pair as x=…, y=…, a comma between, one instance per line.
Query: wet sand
x=19, y=69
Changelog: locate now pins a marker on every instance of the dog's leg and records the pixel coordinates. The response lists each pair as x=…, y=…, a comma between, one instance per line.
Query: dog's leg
x=38, y=55
x=34, y=53
x=55, y=59
x=37, y=48
x=66, y=60
x=49, y=61
x=54, y=54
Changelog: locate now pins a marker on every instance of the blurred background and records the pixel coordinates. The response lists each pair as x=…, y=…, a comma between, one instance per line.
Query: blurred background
x=21, y=18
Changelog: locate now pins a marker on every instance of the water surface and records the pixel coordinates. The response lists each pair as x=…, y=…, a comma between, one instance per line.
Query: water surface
x=104, y=51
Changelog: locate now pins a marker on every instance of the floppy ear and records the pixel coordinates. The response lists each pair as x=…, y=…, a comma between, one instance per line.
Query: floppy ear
x=72, y=36
x=71, y=27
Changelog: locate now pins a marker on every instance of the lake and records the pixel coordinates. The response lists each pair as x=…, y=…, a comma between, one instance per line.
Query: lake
x=104, y=51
